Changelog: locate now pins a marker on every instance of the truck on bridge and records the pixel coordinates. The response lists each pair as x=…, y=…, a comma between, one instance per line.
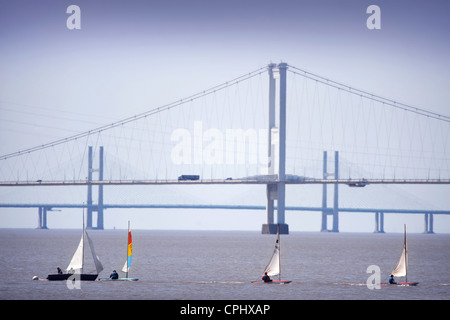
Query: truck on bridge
x=188, y=177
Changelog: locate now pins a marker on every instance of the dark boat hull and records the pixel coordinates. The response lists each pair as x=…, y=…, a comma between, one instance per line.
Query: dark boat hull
x=66, y=276
x=405, y=284
x=274, y=281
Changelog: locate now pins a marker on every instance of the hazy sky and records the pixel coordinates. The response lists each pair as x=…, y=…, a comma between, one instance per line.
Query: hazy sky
x=130, y=56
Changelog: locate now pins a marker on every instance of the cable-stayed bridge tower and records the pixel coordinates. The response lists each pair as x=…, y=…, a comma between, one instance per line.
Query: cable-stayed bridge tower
x=99, y=207
x=276, y=150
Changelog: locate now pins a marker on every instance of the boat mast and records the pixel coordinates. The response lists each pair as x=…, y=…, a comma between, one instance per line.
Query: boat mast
x=279, y=249
x=406, y=256
x=128, y=235
x=82, y=252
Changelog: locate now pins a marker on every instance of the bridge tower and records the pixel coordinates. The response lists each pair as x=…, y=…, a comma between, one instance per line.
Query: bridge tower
x=276, y=140
x=90, y=206
x=335, y=211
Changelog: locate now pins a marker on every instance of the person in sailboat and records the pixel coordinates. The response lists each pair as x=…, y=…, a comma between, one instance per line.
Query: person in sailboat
x=59, y=270
x=391, y=279
x=266, y=277
x=114, y=275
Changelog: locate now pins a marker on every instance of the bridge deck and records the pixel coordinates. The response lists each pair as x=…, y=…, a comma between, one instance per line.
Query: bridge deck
x=219, y=206
x=349, y=182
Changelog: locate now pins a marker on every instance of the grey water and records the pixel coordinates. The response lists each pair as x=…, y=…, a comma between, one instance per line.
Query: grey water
x=219, y=265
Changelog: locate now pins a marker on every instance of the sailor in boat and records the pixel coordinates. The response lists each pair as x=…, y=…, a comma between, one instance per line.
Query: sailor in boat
x=391, y=279
x=59, y=270
x=266, y=277
x=114, y=275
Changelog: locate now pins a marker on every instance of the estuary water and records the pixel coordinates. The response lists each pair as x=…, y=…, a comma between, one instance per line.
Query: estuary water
x=220, y=265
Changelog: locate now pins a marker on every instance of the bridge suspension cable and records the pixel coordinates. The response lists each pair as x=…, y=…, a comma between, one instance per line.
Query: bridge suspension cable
x=218, y=134
x=367, y=95
x=141, y=115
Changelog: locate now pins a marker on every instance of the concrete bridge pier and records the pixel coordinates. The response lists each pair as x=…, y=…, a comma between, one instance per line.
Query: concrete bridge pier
x=379, y=222
x=428, y=223
x=42, y=217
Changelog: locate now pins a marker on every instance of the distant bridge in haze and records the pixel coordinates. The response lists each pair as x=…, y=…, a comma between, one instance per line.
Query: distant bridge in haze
x=379, y=213
x=324, y=115
x=254, y=180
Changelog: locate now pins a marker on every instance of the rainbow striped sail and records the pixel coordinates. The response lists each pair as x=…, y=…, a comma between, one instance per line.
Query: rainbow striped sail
x=127, y=265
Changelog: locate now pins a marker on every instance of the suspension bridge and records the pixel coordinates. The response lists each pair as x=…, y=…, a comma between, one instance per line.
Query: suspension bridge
x=247, y=131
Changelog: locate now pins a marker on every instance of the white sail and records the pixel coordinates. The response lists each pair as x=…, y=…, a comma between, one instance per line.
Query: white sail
x=77, y=260
x=98, y=264
x=273, y=267
x=400, y=269
x=125, y=267
x=76, y=264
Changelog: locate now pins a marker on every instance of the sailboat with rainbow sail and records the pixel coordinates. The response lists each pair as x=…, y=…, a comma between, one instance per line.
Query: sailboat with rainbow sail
x=127, y=265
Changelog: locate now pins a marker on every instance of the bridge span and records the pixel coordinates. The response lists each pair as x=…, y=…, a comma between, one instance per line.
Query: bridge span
x=275, y=164
x=379, y=212
x=261, y=180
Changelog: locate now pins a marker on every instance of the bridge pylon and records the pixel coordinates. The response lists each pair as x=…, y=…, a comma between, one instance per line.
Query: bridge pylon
x=334, y=212
x=90, y=206
x=276, y=140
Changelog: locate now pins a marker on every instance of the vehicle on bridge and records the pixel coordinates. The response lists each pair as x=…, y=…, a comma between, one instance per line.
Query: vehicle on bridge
x=188, y=177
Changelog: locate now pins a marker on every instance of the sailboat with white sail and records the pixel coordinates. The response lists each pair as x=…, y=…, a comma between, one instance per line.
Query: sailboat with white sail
x=127, y=265
x=76, y=267
x=401, y=269
x=273, y=268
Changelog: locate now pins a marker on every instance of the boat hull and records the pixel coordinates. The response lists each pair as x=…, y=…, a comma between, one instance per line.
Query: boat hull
x=66, y=276
x=409, y=283
x=120, y=279
x=274, y=281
